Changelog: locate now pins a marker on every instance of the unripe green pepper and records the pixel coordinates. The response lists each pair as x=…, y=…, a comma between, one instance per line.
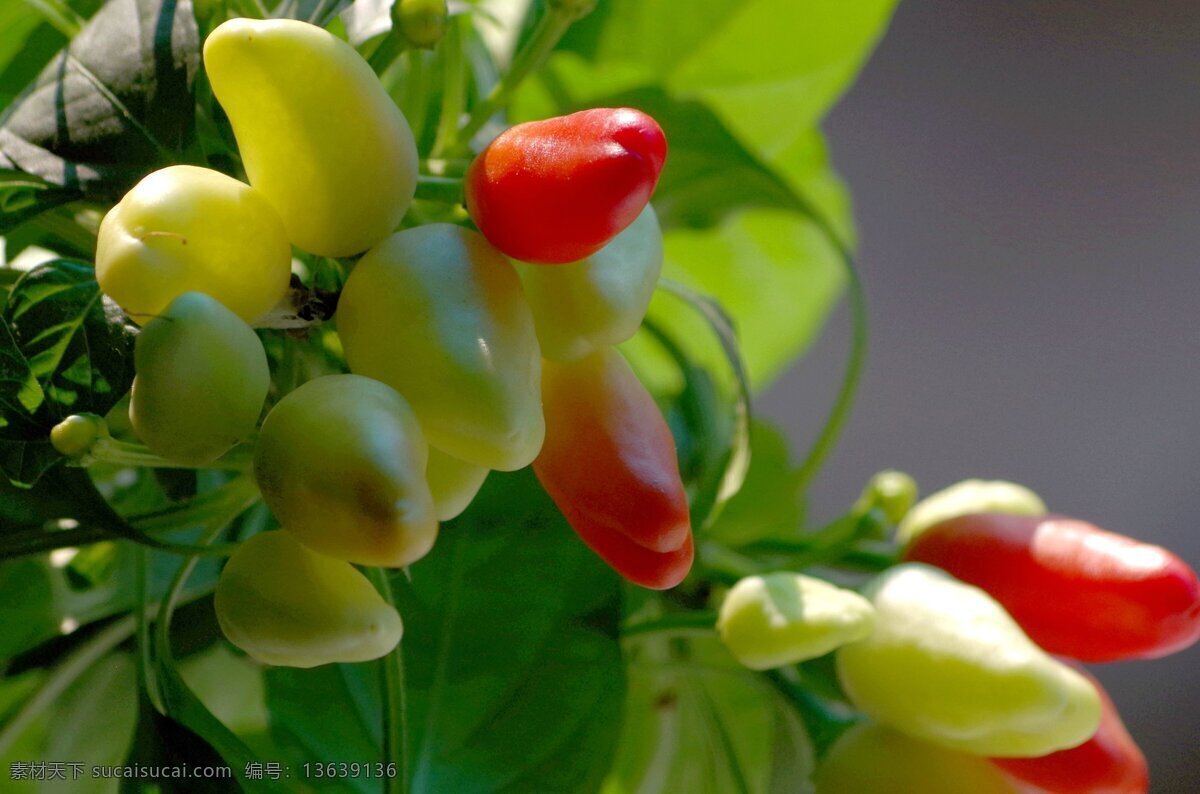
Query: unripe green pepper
x=965, y=498
x=582, y=306
x=872, y=759
x=453, y=483
x=188, y=229
x=202, y=377
x=946, y=664
x=318, y=134
x=783, y=618
x=438, y=314
x=284, y=604
x=341, y=463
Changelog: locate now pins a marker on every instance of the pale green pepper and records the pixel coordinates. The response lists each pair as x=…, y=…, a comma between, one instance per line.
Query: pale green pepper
x=872, y=759
x=582, y=306
x=438, y=314
x=286, y=605
x=188, y=229
x=946, y=664
x=202, y=377
x=318, y=134
x=453, y=483
x=783, y=618
x=341, y=463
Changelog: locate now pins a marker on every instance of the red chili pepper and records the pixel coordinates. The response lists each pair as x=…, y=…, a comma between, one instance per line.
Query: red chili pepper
x=557, y=190
x=1108, y=763
x=609, y=464
x=1077, y=590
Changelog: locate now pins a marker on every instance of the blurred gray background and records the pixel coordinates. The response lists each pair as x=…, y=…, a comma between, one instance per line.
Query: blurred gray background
x=1027, y=180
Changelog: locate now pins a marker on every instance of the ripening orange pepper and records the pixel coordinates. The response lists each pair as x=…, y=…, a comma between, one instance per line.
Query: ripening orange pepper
x=555, y=191
x=609, y=464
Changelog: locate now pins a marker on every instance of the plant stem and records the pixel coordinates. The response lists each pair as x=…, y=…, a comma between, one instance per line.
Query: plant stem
x=828, y=437
x=214, y=527
x=699, y=623
x=124, y=453
x=454, y=86
x=559, y=16
x=395, y=707
x=440, y=188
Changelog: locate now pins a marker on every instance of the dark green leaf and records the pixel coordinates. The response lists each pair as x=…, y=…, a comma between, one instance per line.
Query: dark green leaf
x=769, y=504
x=696, y=721
x=191, y=713
x=79, y=353
x=90, y=724
x=351, y=733
x=513, y=670
x=113, y=105
x=22, y=196
x=163, y=743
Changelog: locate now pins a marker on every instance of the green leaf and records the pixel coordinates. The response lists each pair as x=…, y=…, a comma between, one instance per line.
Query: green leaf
x=737, y=226
x=23, y=196
x=513, y=669
x=163, y=743
x=698, y=722
x=56, y=328
x=769, y=68
x=113, y=105
x=90, y=724
x=351, y=733
x=770, y=503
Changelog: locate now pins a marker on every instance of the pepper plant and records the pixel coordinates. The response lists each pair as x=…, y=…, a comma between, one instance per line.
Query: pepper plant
x=376, y=390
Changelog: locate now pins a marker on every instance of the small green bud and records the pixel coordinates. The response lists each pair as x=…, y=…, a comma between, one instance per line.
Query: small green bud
x=75, y=435
x=420, y=23
x=891, y=492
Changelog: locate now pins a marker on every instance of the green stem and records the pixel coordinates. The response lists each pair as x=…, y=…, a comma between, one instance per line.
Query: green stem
x=215, y=526
x=727, y=565
x=395, y=707
x=454, y=86
x=386, y=53
x=828, y=437
x=124, y=453
x=416, y=94
x=696, y=623
x=448, y=190
x=60, y=16
x=141, y=599
x=560, y=15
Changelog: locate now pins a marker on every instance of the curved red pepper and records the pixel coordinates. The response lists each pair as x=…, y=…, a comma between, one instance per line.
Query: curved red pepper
x=609, y=464
x=1108, y=763
x=1076, y=590
x=557, y=190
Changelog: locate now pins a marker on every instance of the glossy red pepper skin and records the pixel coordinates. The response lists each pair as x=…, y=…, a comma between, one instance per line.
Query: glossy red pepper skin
x=1108, y=763
x=557, y=190
x=609, y=463
x=1077, y=590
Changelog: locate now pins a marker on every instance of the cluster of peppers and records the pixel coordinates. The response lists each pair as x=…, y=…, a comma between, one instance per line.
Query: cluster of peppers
x=493, y=350
x=964, y=657
x=443, y=329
